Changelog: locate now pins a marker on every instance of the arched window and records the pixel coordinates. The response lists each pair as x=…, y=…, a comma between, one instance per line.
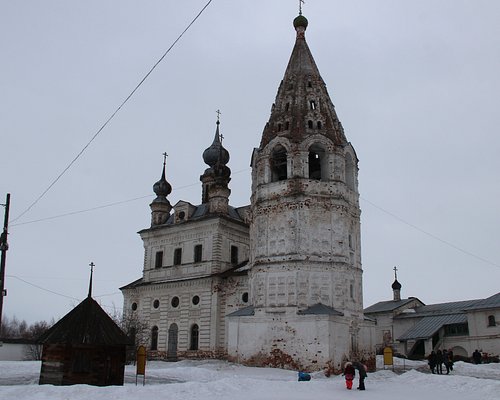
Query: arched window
x=317, y=157
x=491, y=320
x=154, y=338
x=319, y=125
x=278, y=164
x=349, y=171
x=310, y=124
x=194, y=337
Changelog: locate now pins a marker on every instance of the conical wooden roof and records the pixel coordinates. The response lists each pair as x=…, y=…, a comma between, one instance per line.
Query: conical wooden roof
x=88, y=324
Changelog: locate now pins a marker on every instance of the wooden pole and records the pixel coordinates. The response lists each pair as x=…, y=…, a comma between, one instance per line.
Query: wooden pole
x=3, y=247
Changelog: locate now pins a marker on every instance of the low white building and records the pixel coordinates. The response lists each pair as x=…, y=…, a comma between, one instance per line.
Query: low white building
x=18, y=350
x=414, y=329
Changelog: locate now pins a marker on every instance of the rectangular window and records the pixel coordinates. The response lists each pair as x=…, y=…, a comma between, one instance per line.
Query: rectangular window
x=197, y=253
x=177, y=256
x=159, y=259
x=456, y=330
x=234, y=255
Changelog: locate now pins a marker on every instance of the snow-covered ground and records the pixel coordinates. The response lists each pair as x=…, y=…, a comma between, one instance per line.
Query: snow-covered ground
x=211, y=380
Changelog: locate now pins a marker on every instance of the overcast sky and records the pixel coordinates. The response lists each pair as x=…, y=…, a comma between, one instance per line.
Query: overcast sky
x=416, y=86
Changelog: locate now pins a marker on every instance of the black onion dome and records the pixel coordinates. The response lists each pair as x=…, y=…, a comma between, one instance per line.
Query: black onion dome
x=216, y=153
x=396, y=285
x=162, y=188
x=300, y=21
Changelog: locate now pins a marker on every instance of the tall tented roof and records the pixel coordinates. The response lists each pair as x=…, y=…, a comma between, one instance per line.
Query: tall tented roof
x=88, y=324
x=302, y=106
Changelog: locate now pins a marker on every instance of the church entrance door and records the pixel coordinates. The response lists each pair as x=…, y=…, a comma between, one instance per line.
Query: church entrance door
x=173, y=332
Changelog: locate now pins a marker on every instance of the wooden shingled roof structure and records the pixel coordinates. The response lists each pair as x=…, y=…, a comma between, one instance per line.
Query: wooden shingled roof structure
x=84, y=347
x=87, y=323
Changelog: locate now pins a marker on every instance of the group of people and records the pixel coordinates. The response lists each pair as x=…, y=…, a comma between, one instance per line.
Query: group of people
x=436, y=360
x=350, y=372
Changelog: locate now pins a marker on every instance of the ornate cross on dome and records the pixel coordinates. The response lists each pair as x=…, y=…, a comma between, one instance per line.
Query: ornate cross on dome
x=395, y=273
x=165, y=155
x=218, y=116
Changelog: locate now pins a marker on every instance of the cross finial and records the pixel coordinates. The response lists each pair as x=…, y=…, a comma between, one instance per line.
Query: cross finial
x=218, y=116
x=165, y=155
x=395, y=273
x=92, y=265
x=300, y=6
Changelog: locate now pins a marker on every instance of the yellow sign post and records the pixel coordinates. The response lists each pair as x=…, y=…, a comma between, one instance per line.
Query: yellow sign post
x=141, y=364
x=388, y=357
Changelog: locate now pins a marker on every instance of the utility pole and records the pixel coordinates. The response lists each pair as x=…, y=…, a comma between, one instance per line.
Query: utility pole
x=4, y=246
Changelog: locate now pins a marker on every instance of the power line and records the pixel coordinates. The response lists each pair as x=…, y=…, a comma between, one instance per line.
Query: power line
x=44, y=289
x=106, y=205
x=112, y=115
x=66, y=296
x=432, y=235
x=81, y=211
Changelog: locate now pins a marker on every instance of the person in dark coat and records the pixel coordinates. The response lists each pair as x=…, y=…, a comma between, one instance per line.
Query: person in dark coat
x=432, y=361
x=476, y=356
x=439, y=362
x=450, y=358
x=362, y=374
x=349, y=373
x=446, y=361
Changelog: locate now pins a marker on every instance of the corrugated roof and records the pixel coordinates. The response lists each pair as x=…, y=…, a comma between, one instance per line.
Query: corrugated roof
x=455, y=307
x=428, y=326
x=320, y=309
x=490, y=302
x=385, y=306
x=243, y=312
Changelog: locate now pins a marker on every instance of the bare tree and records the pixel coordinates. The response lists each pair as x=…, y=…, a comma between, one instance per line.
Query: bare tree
x=135, y=328
x=12, y=328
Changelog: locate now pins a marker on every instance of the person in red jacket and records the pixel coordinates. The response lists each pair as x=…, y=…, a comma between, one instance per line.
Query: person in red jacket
x=349, y=373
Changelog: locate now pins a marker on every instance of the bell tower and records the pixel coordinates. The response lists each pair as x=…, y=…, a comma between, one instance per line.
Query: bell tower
x=305, y=275
x=305, y=232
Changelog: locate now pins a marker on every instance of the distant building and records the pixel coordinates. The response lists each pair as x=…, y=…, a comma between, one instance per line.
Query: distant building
x=415, y=329
x=17, y=349
x=278, y=281
x=84, y=347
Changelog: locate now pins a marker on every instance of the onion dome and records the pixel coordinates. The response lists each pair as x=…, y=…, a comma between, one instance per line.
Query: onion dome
x=396, y=285
x=300, y=21
x=162, y=188
x=216, y=153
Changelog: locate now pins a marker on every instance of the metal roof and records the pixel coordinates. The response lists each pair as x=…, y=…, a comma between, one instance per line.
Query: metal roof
x=243, y=312
x=385, y=306
x=320, y=309
x=490, y=302
x=428, y=326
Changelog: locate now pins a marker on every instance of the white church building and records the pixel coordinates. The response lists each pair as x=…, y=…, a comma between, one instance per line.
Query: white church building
x=277, y=282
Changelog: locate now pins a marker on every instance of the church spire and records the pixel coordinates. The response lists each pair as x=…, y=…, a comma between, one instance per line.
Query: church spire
x=302, y=107
x=91, y=265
